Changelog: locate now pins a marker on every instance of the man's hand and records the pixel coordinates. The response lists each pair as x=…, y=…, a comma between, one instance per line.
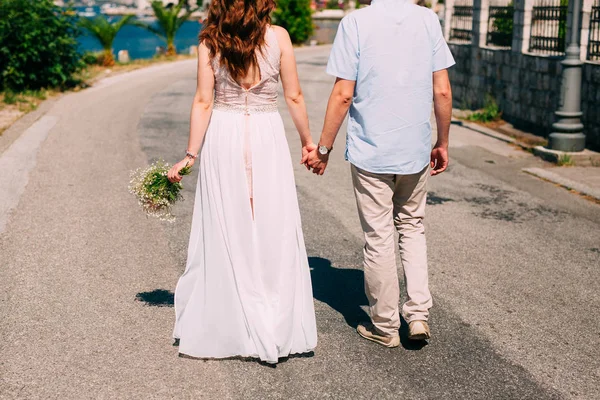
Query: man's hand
x=439, y=159
x=316, y=161
x=306, y=149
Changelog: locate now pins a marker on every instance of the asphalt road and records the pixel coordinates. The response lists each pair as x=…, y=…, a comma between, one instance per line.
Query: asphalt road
x=514, y=265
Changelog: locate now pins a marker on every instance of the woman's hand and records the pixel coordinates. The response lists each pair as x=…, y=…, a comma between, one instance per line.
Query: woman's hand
x=173, y=173
x=306, y=149
x=317, y=161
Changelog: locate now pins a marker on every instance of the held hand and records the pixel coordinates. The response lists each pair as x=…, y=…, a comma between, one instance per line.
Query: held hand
x=173, y=173
x=439, y=159
x=306, y=149
x=317, y=161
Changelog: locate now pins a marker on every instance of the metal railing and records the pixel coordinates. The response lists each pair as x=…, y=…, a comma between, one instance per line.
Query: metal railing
x=594, y=43
x=500, y=25
x=548, y=27
x=461, y=24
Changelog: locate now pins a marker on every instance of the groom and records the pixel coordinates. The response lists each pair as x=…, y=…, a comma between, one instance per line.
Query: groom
x=390, y=60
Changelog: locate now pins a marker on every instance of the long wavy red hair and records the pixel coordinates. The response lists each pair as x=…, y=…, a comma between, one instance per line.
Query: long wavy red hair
x=235, y=30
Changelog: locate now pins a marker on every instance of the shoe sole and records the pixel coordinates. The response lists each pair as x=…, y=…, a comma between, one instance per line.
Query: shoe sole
x=419, y=336
x=388, y=345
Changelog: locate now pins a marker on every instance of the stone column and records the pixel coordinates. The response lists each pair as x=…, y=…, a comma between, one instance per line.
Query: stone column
x=567, y=132
x=522, y=25
x=448, y=10
x=481, y=11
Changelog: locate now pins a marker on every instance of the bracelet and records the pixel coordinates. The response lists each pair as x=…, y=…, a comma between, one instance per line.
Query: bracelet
x=188, y=154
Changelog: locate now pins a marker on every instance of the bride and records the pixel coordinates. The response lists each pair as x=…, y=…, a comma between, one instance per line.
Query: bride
x=246, y=289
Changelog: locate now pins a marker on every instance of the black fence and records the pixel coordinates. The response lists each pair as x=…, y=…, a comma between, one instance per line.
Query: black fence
x=461, y=26
x=500, y=26
x=548, y=27
x=594, y=44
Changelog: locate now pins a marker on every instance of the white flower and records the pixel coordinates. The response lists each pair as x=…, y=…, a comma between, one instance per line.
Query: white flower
x=155, y=194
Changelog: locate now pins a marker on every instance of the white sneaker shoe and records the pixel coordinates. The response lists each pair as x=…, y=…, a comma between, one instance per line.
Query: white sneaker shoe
x=418, y=330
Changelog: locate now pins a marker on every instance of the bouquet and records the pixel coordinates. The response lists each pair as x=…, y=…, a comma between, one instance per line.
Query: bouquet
x=153, y=190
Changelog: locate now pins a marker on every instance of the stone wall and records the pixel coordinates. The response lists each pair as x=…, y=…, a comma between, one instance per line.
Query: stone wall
x=590, y=104
x=526, y=88
x=325, y=28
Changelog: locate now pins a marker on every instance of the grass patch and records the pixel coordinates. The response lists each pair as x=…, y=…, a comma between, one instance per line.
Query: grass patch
x=490, y=112
x=565, y=160
x=94, y=72
x=24, y=102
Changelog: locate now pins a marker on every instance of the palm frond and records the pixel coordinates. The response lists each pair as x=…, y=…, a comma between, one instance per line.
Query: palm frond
x=177, y=9
x=158, y=32
x=181, y=20
x=159, y=9
x=126, y=20
x=168, y=20
x=101, y=29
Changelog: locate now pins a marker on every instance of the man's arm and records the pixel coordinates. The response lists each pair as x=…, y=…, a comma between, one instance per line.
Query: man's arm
x=337, y=108
x=442, y=105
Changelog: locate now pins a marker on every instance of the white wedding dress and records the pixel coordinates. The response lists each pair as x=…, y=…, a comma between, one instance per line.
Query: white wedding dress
x=246, y=290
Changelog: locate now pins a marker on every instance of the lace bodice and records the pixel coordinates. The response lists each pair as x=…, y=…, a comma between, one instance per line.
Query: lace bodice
x=231, y=96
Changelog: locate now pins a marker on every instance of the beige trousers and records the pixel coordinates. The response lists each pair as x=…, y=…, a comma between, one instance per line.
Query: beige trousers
x=386, y=201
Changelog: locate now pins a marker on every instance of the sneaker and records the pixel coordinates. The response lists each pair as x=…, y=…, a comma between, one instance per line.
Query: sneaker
x=371, y=334
x=418, y=330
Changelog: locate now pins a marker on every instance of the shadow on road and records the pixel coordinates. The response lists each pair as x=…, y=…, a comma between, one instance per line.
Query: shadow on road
x=342, y=289
x=157, y=298
x=407, y=343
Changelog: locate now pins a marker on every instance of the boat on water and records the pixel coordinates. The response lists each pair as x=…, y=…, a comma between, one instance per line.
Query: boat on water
x=114, y=9
x=89, y=12
x=145, y=18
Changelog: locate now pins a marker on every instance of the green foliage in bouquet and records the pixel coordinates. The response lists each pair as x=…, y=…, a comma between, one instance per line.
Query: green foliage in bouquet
x=153, y=190
x=296, y=17
x=38, y=46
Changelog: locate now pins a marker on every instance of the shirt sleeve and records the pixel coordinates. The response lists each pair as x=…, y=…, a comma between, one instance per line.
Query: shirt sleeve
x=343, y=59
x=442, y=57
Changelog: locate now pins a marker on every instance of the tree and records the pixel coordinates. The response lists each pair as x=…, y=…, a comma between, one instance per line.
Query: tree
x=502, y=32
x=169, y=20
x=562, y=25
x=38, y=46
x=296, y=17
x=106, y=32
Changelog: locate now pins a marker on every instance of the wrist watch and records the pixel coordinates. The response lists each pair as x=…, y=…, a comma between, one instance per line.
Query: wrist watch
x=323, y=150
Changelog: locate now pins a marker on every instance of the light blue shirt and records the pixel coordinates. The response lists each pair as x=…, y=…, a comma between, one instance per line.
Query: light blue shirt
x=390, y=49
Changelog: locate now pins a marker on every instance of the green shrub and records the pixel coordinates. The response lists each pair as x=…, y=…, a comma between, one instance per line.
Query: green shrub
x=490, y=111
x=562, y=24
x=90, y=58
x=296, y=17
x=10, y=98
x=565, y=160
x=38, y=46
x=332, y=4
x=502, y=32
